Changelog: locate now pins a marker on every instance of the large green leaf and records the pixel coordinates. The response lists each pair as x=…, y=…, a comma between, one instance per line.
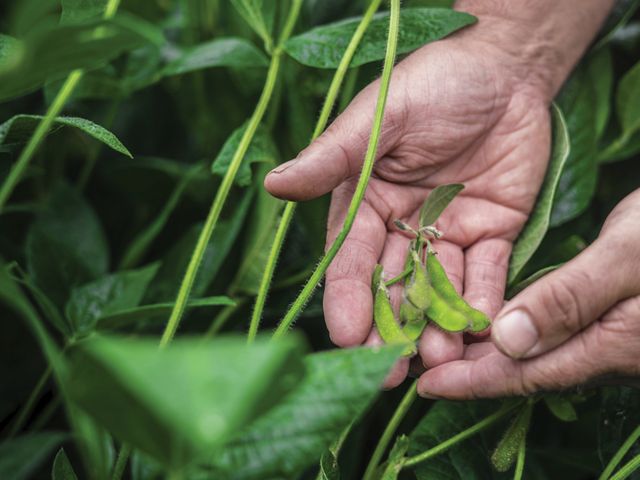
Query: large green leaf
x=220, y=52
x=19, y=128
x=185, y=400
x=324, y=47
x=106, y=296
x=66, y=245
x=338, y=388
x=21, y=456
x=78, y=11
x=261, y=149
x=49, y=54
x=538, y=223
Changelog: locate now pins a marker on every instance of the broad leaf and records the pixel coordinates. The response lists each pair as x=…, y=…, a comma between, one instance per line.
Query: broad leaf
x=106, y=296
x=437, y=201
x=50, y=54
x=21, y=456
x=62, y=469
x=66, y=245
x=221, y=52
x=185, y=400
x=324, y=47
x=338, y=388
x=19, y=128
x=261, y=149
x=538, y=223
x=78, y=11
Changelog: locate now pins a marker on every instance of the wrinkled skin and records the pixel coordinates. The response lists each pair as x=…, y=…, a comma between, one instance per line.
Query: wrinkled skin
x=458, y=112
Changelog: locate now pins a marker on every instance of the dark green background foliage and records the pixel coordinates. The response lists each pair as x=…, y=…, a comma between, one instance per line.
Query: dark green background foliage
x=96, y=238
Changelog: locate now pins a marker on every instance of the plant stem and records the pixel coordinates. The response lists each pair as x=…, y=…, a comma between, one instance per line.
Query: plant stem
x=522, y=450
x=220, y=199
x=121, y=462
x=363, y=181
x=18, y=168
x=469, y=432
x=392, y=426
x=290, y=207
x=400, y=277
x=25, y=411
x=222, y=317
x=619, y=455
x=627, y=469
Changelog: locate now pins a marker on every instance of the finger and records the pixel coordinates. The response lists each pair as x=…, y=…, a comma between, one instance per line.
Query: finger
x=435, y=345
x=393, y=260
x=497, y=375
x=485, y=274
x=348, y=301
x=561, y=303
x=479, y=350
x=399, y=370
x=335, y=155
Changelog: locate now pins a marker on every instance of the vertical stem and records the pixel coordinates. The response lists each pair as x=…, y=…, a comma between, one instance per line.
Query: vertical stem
x=17, y=170
x=469, y=432
x=290, y=208
x=619, y=455
x=121, y=462
x=25, y=411
x=627, y=469
x=363, y=181
x=522, y=450
x=387, y=435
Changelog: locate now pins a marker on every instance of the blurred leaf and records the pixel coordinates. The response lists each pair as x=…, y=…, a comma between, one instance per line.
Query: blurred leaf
x=65, y=245
x=439, y=198
x=164, y=285
x=18, y=129
x=185, y=400
x=21, y=456
x=52, y=53
x=220, y=52
x=561, y=407
x=538, y=223
x=261, y=149
x=338, y=388
x=323, y=47
x=258, y=15
x=145, y=312
x=78, y=11
x=622, y=11
x=62, y=469
x=263, y=223
x=106, y=296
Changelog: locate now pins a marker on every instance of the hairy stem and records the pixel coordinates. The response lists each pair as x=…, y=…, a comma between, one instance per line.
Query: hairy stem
x=36, y=139
x=363, y=181
x=290, y=207
x=619, y=455
x=469, y=432
x=392, y=426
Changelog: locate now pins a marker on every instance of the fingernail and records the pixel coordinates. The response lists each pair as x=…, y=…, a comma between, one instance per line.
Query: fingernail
x=515, y=333
x=284, y=166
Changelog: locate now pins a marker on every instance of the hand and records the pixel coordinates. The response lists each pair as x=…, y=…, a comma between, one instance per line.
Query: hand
x=577, y=325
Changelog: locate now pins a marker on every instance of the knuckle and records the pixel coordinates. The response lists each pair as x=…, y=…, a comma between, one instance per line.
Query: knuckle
x=561, y=301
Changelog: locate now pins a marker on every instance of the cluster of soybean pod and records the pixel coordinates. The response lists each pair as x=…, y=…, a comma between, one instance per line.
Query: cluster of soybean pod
x=428, y=293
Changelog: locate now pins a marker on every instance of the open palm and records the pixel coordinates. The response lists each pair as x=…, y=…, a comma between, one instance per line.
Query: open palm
x=453, y=116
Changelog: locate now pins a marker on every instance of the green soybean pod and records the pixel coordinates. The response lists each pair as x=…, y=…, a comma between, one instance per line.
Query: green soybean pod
x=413, y=320
x=388, y=328
x=444, y=315
x=418, y=290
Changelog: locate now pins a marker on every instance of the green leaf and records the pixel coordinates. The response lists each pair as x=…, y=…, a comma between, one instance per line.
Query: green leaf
x=156, y=310
x=65, y=245
x=561, y=407
x=535, y=229
x=50, y=54
x=19, y=128
x=506, y=452
x=257, y=15
x=263, y=223
x=439, y=198
x=338, y=388
x=186, y=400
x=324, y=47
x=62, y=469
x=600, y=73
x=261, y=149
x=329, y=468
x=21, y=456
x=220, y=52
x=396, y=458
x=79, y=11
x=106, y=296
x=531, y=279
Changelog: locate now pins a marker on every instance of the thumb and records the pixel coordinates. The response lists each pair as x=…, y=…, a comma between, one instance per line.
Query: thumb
x=334, y=156
x=561, y=303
